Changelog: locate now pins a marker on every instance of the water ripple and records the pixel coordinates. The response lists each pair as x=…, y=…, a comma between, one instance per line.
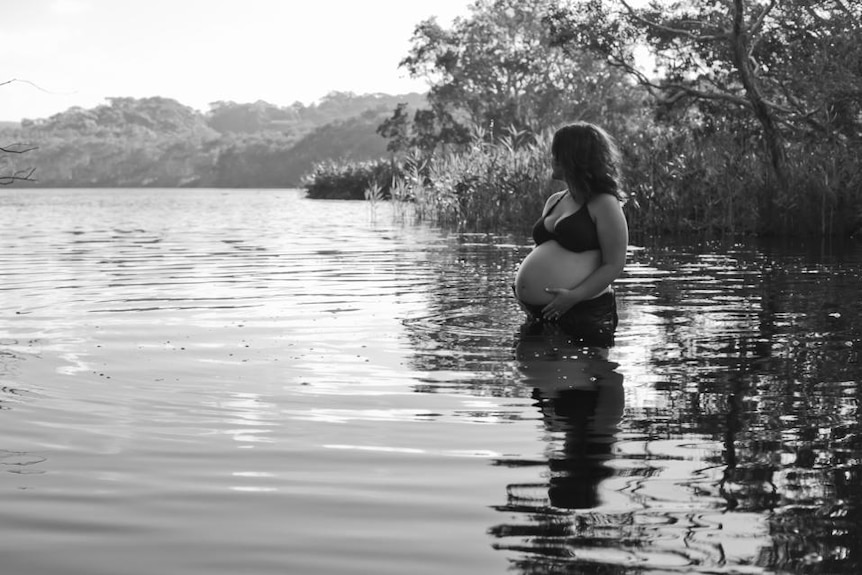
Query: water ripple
x=171, y=358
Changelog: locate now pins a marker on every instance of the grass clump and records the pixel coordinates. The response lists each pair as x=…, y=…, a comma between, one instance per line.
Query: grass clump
x=349, y=180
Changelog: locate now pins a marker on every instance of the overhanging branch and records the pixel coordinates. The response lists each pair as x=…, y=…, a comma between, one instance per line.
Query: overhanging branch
x=17, y=148
x=675, y=31
x=19, y=176
x=758, y=23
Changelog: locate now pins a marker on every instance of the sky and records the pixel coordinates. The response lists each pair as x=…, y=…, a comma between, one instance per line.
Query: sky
x=65, y=53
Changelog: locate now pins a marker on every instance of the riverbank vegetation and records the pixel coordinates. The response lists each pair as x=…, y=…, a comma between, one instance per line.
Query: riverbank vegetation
x=739, y=116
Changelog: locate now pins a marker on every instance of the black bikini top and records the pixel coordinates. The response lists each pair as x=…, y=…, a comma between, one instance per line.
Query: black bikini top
x=576, y=232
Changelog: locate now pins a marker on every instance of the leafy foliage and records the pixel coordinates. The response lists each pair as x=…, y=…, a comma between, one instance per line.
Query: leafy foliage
x=784, y=77
x=498, y=68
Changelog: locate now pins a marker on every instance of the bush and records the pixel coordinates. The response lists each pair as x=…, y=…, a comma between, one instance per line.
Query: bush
x=350, y=180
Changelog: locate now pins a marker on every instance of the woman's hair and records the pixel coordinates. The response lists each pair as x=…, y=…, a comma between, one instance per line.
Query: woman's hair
x=589, y=157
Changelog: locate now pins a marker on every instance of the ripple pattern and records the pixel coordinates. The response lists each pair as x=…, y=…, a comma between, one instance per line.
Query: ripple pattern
x=215, y=381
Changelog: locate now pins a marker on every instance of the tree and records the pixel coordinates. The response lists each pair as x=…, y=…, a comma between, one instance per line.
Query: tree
x=790, y=66
x=497, y=69
x=813, y=54
x=396, y=129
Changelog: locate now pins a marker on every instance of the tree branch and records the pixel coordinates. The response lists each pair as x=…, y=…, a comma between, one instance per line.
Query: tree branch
x=706, y=95
x=854, y=21
x=19, y=176
x=684, y=33
x=18, y=148
x=33, y=84
x=758, y=23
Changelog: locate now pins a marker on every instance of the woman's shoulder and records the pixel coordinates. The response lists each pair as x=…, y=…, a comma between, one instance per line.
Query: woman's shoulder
x=555, y=197
x=604, y=201
x=605, y=207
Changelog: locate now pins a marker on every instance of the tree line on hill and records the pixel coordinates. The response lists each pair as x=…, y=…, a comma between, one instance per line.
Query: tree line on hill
x=159, y=142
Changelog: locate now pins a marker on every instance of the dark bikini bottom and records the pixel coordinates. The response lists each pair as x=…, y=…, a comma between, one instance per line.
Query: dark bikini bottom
x=593, y=321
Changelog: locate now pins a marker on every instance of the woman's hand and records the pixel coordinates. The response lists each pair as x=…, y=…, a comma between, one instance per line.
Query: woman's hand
x=563, y=301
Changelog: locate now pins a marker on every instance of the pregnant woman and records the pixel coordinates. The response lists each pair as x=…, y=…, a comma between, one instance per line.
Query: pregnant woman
x=581, y=239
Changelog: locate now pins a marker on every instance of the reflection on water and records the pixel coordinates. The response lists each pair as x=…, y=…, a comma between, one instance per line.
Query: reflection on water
x=580, y=397
x=222, y=381
x=737, y=449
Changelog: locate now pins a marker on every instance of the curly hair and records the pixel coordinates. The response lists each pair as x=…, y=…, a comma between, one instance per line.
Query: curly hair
x=589, y=158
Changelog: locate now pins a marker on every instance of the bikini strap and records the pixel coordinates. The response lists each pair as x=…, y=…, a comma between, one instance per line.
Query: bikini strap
x=560, y=199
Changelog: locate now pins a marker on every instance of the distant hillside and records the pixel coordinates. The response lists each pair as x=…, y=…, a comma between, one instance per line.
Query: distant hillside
x=258, y=117
x=130, y=142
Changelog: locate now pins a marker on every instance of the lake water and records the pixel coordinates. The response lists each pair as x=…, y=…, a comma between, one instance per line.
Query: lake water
x=242, y=381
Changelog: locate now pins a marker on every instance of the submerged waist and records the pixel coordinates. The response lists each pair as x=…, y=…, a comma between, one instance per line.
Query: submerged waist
x=600, y=301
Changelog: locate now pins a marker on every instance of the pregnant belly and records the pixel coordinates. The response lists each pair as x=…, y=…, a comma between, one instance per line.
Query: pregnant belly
x=551, y=265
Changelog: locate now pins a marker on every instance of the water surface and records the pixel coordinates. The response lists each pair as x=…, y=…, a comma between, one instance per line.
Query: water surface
x=223, y=381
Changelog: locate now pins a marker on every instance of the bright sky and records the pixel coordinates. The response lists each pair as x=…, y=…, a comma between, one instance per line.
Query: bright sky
x=79, y=52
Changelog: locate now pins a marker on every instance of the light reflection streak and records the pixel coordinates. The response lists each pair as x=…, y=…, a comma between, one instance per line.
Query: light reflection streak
x=478, y=453
x=254, y=417
x=348, y=415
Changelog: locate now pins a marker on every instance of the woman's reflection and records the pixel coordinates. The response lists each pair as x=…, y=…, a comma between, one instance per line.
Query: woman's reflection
x=580, y=395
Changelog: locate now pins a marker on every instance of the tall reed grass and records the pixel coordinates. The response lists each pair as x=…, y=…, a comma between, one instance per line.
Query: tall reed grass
x=682, y=182
x=678, y=182
x=488, y=186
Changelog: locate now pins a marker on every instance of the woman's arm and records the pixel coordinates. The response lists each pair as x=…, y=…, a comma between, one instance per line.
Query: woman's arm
x=613, y=234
